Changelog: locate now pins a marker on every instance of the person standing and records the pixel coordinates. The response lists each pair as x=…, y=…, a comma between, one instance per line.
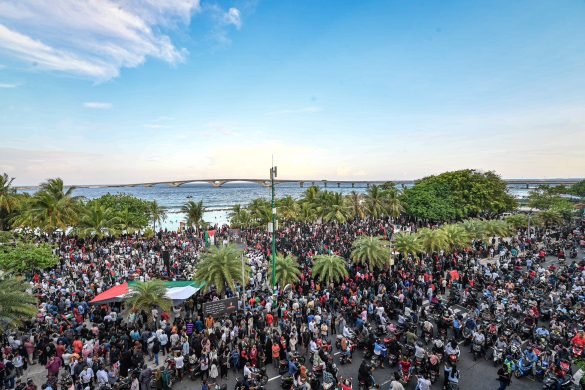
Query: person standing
x=503, y=378
x=145, y=377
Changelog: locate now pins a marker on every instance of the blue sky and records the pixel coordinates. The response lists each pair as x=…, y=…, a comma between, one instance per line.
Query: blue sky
x=116, y=91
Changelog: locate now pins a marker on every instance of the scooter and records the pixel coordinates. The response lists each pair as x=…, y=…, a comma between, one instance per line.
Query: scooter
x=523, y=368
x=477, y=350
x=498, y=356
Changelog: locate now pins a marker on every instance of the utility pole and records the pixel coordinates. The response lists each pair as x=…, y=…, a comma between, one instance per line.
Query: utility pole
x=273, y=174
x=243, y=284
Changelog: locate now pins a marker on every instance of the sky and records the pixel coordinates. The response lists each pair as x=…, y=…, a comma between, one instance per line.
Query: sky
x=126, y=91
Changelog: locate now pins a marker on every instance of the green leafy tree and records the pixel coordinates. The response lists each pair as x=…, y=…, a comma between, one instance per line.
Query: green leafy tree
x=221, y=267
x=8, y=200
x=287, y=270
x=127, y=207
x=371, y=251
x=145, y=296
x=545, y=197
x=329, y=268
x=97, y=221
x=194, y=213
x=578, y=189
x=457, y=195
x=158, y=214
x=433, y=240
x=23, y=257
x=429, y=202
x=405, y=243
x=16, y=305
x=549, y=218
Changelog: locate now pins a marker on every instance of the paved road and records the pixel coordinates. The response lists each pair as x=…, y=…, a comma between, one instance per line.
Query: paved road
x=479, y=375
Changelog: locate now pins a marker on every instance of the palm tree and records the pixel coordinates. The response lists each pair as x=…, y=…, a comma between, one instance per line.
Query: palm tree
x=475, y=228
x=287, y=208
x=51, y=208
x=334, y=208
x=329, y=268
x=157, y=214
x=8, y=198
x=494, y=228
x=354, y=204
x=221, y=267
x=549, y=218
x=312, y=195
x=406, y=243
x=16, y=305
x=393, y=204
x=239, y=217
x=432, y=240
x=194, y=213
x=517, y=220
x=149, y=295
x=456, y=236
x=287, y=270
x=97, y=221
x=375, y=204
x=371, y=251
x=127, y=221
x=261, y=211
x=306, y=213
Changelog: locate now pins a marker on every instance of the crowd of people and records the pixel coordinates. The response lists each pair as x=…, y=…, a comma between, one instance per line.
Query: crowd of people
x=402, y=317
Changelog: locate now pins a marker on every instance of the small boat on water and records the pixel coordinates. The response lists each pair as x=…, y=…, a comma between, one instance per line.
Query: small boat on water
x=189, y=196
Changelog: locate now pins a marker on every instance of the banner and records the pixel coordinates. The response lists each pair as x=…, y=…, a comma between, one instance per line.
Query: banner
x=220, y=308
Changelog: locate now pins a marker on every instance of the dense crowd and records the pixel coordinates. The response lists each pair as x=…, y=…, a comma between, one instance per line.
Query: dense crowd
x=401, y=317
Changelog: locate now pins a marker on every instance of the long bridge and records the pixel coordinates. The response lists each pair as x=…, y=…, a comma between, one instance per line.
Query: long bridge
x=526, y=183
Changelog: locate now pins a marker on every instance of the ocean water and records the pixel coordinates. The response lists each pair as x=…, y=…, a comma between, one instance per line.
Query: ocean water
x=218, y=201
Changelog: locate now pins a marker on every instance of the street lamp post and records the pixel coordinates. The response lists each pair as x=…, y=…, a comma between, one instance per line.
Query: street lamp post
x=273, y=173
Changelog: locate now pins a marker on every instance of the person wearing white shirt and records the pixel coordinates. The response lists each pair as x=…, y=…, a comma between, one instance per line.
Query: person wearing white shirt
x=102, y=376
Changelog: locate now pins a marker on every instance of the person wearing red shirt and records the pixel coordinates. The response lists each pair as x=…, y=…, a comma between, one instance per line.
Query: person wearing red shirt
x=579, y=340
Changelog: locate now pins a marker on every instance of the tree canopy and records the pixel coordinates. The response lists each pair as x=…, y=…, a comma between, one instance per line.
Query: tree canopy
x=457, y=195
x=136, y=212
x=26, y=257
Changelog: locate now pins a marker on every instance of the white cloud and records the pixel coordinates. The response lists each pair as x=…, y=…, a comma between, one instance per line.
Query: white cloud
x=94, y=38
x=233, y=17
x=7, y=85
x=97, y=105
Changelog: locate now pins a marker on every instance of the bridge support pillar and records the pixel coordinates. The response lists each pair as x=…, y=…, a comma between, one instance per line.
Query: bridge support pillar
x=352, y=185
x=217, y=183
x=325, y=184
x=302, y=184
x=338, y=185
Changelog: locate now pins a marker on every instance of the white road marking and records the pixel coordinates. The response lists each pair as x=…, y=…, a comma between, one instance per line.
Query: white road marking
x=276, y=377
